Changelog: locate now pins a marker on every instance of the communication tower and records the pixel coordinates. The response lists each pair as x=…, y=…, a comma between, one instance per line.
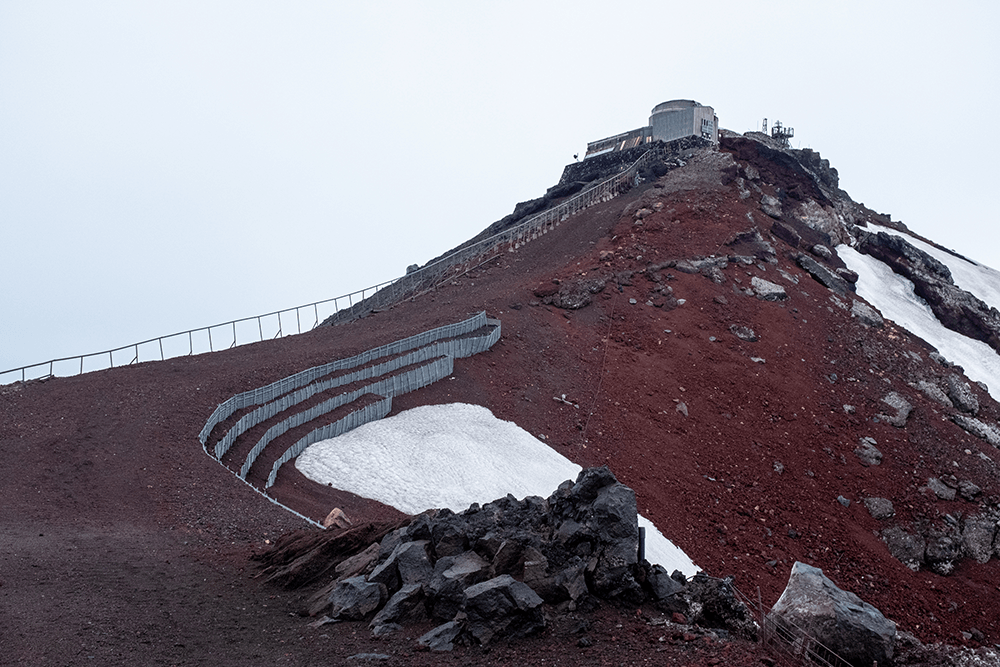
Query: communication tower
x=781, y=133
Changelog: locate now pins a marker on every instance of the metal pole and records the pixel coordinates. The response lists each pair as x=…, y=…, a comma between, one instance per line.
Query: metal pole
x=210, y=348
x=160, y=341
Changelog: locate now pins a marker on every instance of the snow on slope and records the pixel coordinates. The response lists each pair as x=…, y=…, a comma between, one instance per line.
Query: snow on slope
x=893, y=295
x=452, y=456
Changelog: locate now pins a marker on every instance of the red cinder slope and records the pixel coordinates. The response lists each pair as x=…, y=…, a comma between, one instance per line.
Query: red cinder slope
x=121, y=533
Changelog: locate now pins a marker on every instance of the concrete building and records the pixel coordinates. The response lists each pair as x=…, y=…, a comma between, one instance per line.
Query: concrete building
x=670, y=120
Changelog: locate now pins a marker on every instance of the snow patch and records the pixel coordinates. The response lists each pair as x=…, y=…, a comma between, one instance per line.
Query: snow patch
x=453, y=455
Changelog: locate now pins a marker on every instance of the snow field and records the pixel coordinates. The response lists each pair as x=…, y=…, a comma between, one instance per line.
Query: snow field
x=894, y=297
x=453, y=455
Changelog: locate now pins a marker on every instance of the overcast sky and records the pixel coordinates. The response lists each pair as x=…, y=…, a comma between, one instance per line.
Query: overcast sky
x=170, y=165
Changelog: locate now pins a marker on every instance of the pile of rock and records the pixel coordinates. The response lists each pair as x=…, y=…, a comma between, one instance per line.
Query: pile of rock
x=488, y=571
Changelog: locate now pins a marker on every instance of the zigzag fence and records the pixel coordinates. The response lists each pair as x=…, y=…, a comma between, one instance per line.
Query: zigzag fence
x=433, y=353
x=369, y=413
x=389, y=387
x=272, y=391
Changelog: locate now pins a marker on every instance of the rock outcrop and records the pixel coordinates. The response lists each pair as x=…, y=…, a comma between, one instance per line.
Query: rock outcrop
x=487, y=571
x=814, y=617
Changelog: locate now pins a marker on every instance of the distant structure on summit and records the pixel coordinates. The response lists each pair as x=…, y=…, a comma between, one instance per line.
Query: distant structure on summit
x=780, y=132
x=671, y=120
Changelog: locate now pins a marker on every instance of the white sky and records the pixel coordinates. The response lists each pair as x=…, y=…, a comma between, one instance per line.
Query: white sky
x=453, y=455
x=170, y=165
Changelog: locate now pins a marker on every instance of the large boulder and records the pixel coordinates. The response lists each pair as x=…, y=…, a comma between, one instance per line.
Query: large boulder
x=355, y=598
x=815, y=618
x=502, y=605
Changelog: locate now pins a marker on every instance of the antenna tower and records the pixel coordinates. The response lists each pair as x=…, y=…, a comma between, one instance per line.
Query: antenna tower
x=782, y=133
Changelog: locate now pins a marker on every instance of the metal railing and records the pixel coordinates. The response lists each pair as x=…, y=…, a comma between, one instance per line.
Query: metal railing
x=460, y=261
x=360, y=302
x=433, y=357
x=272, y=391
x=212, y=338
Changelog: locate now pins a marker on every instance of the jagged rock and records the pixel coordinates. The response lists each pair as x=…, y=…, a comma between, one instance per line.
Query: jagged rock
x=355, y=598
x=502, y=605
x=961, y=395
x=954, y=307
x=408, y=563
x=405, y=604
x=744, y=333
x=767, y=291
x=943, y=551
x=934, y=392
x=978, y=428
x=821, y=250
x=452, y=575
x=940, y=489
x=448, y=540
x=359, y=563
x=902, y=407
x=576, y=294
x=867, y=315
x=713, y=603
x=663, y=586
x=968, y=490
x=442, y=638
x=977, y=538
x=867, y=452
x=848, y=275
x=772, y=207
x=838, y=619
x=879, y=508
x=907, y=548
x=823, y=275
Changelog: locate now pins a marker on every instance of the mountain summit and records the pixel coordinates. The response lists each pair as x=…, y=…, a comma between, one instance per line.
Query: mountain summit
x=710, y=334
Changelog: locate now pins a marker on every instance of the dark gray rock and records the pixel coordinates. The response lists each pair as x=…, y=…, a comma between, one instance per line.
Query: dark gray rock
x=905, y=547
x=867, y=452
x=823, y=275
x=821, y=250
x=902, y=408
x=867, y=315
x=943, y=551
x=442, y=638
x=713, y=603
x=968, y=490
x=978, y=535
x=452, y=575
x=961, y=395
x=978, y=428
x=406, y=604
x=879, y=508
x=502, y=605
x=744, y=333
x=408, y=563
x=934, y=392
x=838, y=619
x=767, y=291
x=355, y=598
x=940, y=489
x=954, y=307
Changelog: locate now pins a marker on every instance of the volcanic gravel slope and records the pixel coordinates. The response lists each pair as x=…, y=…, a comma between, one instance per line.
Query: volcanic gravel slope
x=123, y=542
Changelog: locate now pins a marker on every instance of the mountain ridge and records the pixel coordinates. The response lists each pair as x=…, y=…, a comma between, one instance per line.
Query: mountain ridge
x=664, y=281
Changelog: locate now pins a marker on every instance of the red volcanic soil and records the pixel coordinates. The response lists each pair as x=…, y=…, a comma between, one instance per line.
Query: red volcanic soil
x=123, y=542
